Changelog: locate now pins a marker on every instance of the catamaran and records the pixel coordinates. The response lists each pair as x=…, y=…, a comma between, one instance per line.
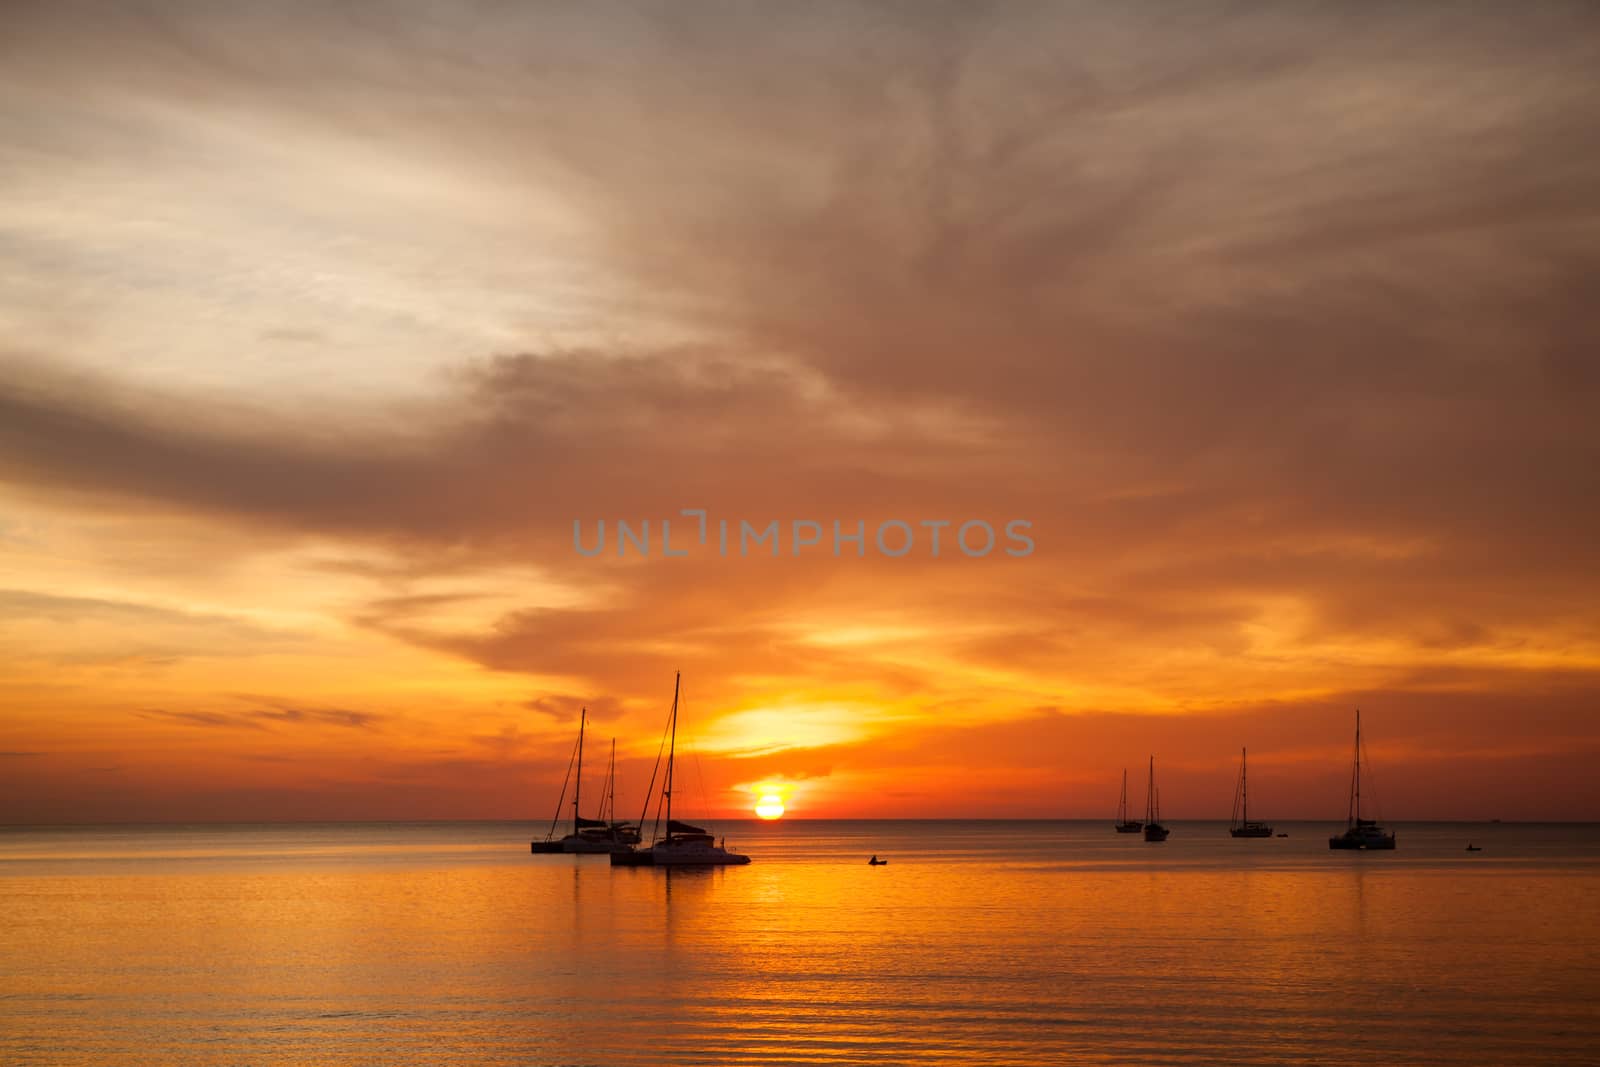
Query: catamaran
x=1240, y=825
x=1360, y=833
x=1153, y=830
x=683, y=845
x=1124, y=824
x=589, y=835
x=621, y=832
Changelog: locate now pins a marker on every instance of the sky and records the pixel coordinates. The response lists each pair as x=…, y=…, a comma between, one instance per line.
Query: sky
x=322, y=325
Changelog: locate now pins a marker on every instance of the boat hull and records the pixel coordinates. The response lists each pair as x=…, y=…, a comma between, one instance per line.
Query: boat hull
x=1156, y=832
x=1251, y=830
x=724, y=859
x=697, y=850
x=694, y=854
x=632, y=857
x=573, y=845
x=587, y=847
x=1129, y=827
x=1352, y=842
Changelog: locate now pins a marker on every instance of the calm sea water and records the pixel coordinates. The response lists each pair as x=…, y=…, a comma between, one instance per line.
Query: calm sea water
x=1023, y=943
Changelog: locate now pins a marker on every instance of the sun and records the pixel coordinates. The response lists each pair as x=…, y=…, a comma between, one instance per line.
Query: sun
x=769, y=806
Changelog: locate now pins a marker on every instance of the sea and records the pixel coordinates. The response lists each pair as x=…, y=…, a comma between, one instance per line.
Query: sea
x=978, y=943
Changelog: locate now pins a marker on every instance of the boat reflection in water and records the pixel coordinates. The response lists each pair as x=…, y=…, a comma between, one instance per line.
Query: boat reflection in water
x=683, y=845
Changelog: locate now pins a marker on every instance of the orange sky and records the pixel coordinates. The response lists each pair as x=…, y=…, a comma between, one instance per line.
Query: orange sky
x=319, y=330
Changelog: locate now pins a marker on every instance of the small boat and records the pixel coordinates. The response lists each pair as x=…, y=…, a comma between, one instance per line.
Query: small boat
x=876, y=862
x=591, y=836
x=1125, y=825
x=1240, y=825
x=1153, y=830
x=683, y=845
x=1283, y=835
x=1473, y=848
x=1359, y=833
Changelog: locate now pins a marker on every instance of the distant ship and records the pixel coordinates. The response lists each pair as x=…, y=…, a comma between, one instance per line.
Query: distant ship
x=1153, y=830
x=1360, y=833
x=1240, y=825
x=683, y=845
x=1126, y=825
x=589, y=835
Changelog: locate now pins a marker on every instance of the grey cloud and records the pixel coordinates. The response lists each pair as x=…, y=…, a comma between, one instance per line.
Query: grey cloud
x=270, y=714
x=1203, y=292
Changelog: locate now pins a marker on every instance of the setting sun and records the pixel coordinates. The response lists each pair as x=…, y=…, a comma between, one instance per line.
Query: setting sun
x=769, y=806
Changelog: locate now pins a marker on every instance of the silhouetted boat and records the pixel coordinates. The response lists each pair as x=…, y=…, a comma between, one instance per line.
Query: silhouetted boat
x=1360, y=833
x=1153, y=830
x=618, y=832
x=683, y=845
x=1126, y=825
x=1240, y=824
x=588, y=835
x=1473, y=848
x=876, y=862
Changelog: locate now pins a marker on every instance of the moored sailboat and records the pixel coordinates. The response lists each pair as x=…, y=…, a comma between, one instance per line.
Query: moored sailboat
x=1360, y=833
x=683, y=845
x=617, y=831
x=1240, y=824
x=588, y=835
x=1153, y=830
x=1124, y=824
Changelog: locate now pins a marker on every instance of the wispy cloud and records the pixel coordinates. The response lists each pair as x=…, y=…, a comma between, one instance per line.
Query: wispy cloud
x=272, y=715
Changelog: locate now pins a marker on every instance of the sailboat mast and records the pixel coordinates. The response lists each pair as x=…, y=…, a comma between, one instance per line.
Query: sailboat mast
x=1244, y=783
x=672, y=748
x=1150, y=793
x=1122, y=806
x=611, y=784
x=577, y=787
x=1358, y=764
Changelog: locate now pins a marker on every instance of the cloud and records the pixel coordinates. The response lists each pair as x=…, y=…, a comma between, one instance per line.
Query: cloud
x=87, y=630
x=1276, y=324
x=273, y=713
x=210, y=719
x=282, y=713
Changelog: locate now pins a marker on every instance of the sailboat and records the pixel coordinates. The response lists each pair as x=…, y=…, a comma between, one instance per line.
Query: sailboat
x=620, y=832
x=1153, y=830
x=588, y=835
x=1240, y=825
x=1360, y=833
x=1126, y=825
x=683, y=845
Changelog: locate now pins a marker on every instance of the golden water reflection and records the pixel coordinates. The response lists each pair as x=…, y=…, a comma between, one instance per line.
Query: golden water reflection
x=1010, y=945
